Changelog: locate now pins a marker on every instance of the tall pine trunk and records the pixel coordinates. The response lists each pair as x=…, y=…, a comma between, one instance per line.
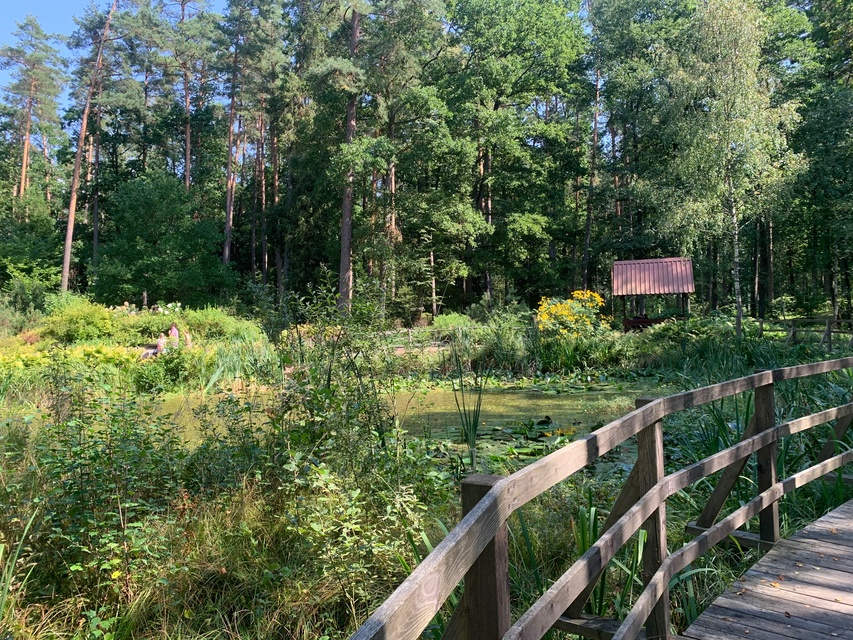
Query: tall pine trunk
x=78, y=157
x=592, y=156
x=345, y=282
x=187, y=113
x=25, y=161
x=230, y=173
x=732, y=206
x=47, y=166
x=96, y=213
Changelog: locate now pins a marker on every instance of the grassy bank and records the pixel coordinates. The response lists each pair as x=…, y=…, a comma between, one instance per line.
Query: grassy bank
x=296, y=511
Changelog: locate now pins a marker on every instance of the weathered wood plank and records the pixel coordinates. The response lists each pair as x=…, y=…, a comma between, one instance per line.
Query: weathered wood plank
x=744, y=539
x=788, y=613
x=804, y=370
x=797, y=590
x=713, y=536
x=820, y=606
x=650, y=461
x=486, y=596
x=800, y=551
x=739, y=624
x=591, y=627
x=724, y=485
x=829, y=449
x=765, y=420
x=632, y=490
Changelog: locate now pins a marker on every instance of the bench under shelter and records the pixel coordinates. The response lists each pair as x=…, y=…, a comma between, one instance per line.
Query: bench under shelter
x=657, y=276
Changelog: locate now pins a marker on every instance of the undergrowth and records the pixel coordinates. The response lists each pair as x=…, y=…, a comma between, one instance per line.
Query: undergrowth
x=297, y=511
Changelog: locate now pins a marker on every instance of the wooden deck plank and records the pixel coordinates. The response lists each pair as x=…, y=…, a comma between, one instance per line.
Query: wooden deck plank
x=801, y=589
x=788, y=614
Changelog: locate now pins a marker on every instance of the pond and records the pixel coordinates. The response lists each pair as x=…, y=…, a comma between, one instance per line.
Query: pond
x=435, y=412
x=532, y=420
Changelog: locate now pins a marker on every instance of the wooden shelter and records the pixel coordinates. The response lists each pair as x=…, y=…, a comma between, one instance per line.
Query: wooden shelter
x=658, y=276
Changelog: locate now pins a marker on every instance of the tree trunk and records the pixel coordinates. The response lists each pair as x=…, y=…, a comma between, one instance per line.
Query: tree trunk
x=47, y=165
x=78, y=158
x=771, y=293
x=434, y=298
x=617, y=204
x=187, y=113
x=275, y=197
x=261, y=152
x=592, y=155
x=345, y=282
x=755, y=294
x=230, y=178
x=735, y=259
x=834, y=285
x=96, y=213
x=254, y=220
x=25, y=161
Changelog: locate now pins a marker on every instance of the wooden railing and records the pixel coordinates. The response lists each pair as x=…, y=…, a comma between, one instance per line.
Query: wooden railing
x=476, y=549
x=826, y=328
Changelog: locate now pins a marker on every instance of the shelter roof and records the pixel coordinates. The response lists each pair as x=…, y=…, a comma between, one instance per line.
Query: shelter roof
x=656, y=276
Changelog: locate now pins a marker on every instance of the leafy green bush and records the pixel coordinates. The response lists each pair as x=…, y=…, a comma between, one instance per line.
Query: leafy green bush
x=212, y=323
x=73, y=318
x=13, y=321
x=452, y=320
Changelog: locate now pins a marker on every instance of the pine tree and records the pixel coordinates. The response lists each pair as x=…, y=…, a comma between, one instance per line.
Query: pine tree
x=37, y=77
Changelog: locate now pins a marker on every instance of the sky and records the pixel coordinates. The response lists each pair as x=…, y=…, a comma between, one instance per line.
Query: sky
x=54, y=16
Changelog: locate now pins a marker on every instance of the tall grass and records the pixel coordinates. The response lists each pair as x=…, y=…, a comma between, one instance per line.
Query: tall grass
x=468, y=403
x=10, y=576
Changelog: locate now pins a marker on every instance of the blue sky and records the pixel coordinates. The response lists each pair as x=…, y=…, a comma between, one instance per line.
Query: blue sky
x=55, y=16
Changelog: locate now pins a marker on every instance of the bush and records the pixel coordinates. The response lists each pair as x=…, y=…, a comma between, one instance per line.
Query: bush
x=577, y=317
x=453, y=320
x=74, y=318
x=213, y=323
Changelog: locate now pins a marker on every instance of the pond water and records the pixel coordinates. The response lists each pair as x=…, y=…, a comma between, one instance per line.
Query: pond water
x=435, y=412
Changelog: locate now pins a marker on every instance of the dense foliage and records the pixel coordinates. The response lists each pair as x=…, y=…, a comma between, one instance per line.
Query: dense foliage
x=434, y=155
x=293, y=500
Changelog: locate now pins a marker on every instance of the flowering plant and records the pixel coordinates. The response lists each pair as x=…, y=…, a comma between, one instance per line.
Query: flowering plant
x=575, y=317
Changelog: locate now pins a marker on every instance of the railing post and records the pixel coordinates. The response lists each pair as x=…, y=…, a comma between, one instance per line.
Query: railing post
x=651, y=471
x=765, y=418
x=486, y=596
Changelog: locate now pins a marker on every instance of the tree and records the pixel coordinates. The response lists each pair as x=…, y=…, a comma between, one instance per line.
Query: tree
x=37, y=74
x=159, y=245
x=78, y=159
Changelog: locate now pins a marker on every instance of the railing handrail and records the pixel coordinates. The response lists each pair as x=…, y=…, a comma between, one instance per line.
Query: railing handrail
x=415, y=602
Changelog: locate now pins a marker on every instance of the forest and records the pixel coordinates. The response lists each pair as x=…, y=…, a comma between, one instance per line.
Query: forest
x=375, y=239
x=430, y=156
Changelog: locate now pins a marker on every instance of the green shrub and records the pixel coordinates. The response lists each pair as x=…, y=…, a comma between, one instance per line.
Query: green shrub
x=74, y=318
x=213, y=323
x=452, y=320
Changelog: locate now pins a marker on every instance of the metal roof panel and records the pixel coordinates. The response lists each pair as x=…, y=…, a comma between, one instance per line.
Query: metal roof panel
x=650, y=277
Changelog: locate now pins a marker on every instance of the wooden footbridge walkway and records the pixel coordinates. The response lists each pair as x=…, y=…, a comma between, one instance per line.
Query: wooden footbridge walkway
x=802, y=588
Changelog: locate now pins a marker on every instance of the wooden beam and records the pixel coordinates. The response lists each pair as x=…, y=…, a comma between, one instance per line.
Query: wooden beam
x=486, y=595
x=650, y=463
x=765, y=419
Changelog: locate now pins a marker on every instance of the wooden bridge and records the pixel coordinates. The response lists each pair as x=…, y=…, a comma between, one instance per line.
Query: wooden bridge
x=809, y=601
x=801, y=589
